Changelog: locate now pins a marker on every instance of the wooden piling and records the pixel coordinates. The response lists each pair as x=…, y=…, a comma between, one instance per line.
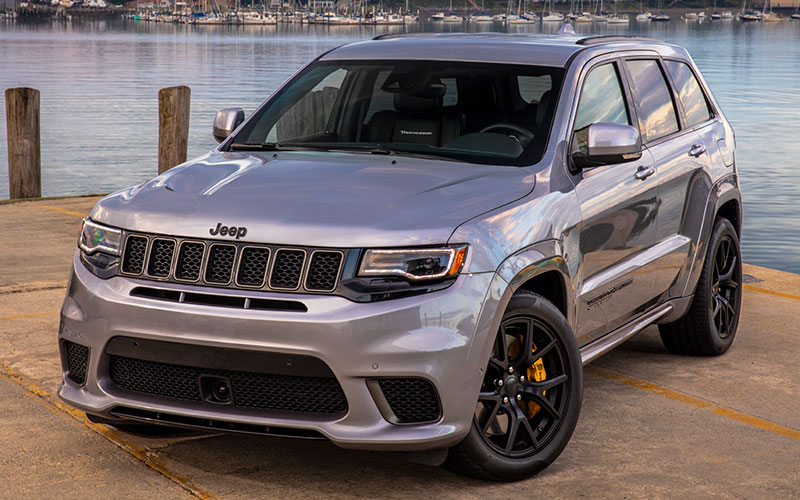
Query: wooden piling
x=24, y=153
x=173, y=126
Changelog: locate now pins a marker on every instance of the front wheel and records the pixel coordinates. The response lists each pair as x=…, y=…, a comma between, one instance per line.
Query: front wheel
x=530, y=398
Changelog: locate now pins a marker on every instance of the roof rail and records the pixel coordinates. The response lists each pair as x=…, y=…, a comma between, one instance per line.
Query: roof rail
x=601, y=39
x=386, y=36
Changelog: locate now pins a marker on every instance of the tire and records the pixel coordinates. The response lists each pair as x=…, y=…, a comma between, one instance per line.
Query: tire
x=551, y=394
x=708, y=328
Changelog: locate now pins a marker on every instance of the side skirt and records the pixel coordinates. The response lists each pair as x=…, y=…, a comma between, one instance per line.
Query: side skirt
x=595, y=349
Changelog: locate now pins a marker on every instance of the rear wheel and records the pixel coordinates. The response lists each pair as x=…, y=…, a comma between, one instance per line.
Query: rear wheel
x=710, y=325
x=530, y=398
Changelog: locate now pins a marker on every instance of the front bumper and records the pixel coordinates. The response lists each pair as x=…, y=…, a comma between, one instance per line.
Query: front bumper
x=439, y=336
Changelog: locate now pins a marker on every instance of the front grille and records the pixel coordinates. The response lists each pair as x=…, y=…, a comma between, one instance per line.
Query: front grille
x=232, y=264
x=135, y=250
x=77, y=361
x=323, y=271
x=412, y=400
x=190, y=261
x=287, y=269
x=219, y=268
x=253, y=266
x=160, y=262
x=281, y=393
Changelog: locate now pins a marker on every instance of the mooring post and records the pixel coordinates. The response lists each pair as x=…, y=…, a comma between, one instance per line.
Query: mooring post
x=173, y=126
x=24, y=153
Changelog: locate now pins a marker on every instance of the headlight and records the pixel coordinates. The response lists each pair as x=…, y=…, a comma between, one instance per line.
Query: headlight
x=414, y=264
x=95, y=237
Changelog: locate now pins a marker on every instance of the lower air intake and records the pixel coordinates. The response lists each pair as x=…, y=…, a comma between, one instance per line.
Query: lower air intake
x=412, y=400
x=282, y=393
x=77, y=361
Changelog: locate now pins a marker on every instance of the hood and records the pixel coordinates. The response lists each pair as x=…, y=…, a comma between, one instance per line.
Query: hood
x=316, y=198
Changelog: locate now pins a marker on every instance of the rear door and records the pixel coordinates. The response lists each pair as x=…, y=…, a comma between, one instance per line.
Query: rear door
x=681, y=164
x=618, y=214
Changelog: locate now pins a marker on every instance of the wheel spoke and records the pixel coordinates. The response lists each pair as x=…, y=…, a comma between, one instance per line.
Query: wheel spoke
x=533, y=357
x=494, y=400
x=546, y=384
x=533, y=392
x=547, y=406
x=515, y=419
x=726, y=278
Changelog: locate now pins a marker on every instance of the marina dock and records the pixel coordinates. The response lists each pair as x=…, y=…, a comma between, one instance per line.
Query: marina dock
x=653, y=424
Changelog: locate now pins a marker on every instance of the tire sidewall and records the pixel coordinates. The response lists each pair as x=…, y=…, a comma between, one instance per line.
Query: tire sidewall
x=520, y=468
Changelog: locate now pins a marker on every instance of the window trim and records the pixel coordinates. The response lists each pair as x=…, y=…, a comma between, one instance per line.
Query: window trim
x=682, y=129
x=712, y=109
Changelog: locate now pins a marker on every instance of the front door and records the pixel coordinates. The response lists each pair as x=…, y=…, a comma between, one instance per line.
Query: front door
x=618, y=216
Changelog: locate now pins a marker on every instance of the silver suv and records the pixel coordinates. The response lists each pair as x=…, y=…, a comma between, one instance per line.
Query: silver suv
x=415, y=244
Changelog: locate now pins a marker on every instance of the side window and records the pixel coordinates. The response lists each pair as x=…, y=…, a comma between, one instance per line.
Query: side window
x=601, y=101
x=657, y=117
x=531, y=88
x=691, y=95
x=311, y=114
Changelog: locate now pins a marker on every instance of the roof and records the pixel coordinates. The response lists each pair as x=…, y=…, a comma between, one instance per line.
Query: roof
x=516, y=48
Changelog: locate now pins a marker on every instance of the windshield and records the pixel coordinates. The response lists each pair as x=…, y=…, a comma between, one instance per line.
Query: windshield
x=474, y=112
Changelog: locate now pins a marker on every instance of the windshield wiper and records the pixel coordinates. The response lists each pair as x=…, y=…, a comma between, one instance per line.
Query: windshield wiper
x=264, y=146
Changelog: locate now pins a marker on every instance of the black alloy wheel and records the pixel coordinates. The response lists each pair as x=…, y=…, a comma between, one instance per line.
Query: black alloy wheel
x=709, y=326
x=524, y=391
x=725, y=287
x=530, y=397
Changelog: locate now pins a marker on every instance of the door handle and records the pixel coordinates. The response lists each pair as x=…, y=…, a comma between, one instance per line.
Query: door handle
x=643, y=172
x=697, y=150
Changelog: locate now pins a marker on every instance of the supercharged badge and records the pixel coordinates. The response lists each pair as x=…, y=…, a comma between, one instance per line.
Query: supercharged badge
x=232, y=231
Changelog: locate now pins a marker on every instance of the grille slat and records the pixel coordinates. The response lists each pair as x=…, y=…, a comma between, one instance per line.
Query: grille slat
x=253, y=266
x=77, y=361
x=323, y=271
x=161, y=252
x=232, y=264
x=135, y=250
x=219, y=267
x=283, y=393
x=412, y=400
x=190, y=261
x=287, y=269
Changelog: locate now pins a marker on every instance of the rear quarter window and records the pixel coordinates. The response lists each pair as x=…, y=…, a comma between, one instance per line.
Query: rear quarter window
x=694, y=102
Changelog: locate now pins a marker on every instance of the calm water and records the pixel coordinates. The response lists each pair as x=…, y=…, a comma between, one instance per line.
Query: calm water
x=99, y=82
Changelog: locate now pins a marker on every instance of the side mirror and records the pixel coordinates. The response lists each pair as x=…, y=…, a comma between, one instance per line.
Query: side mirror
x=608, y=143
x=226, y=122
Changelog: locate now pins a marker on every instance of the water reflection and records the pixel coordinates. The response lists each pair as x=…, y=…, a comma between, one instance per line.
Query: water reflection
x=99, y=81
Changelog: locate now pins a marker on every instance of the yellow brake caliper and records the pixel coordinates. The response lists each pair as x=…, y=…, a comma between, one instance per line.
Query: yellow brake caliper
x=535, y=372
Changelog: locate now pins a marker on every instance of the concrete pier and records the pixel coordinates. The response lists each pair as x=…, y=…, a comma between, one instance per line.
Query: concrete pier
x=653, y=425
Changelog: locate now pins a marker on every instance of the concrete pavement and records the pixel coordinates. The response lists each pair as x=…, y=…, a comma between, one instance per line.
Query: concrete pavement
x=653, y=425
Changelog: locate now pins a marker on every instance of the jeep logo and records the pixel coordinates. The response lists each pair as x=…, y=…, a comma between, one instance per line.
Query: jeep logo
x=232, y=231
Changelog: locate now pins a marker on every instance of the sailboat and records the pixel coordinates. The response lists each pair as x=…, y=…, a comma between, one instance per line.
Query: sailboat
x=642, y=15
x=796, y=15
x=551, y=16
x=768, y=16
x=616, y=18
x=483, y=17
x=451, y=16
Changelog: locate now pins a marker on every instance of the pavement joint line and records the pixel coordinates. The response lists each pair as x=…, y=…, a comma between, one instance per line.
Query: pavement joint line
x=771, y=292
x=59, y=209
x=144, y=455
x=757, y=422
x=29, y=315
x=31, y=290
